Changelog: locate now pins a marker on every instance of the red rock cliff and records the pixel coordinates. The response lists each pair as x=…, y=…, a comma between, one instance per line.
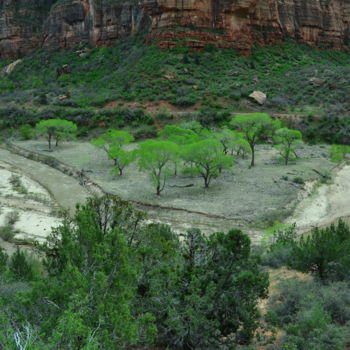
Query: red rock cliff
x=240, y=23
x=29, y=24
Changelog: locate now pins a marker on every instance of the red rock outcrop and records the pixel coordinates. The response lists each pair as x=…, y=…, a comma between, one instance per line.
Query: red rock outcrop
x=30, y=24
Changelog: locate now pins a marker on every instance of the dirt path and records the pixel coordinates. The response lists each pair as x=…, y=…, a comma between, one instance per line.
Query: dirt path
x=64, y=189
x=326, y=205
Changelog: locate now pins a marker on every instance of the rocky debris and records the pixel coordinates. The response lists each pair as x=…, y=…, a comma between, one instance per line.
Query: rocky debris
x=234, y=74
x=169, y=76
x=11, y=67
x=317, y=81
x=259, y=97
x=83, y=52
x=65, y=69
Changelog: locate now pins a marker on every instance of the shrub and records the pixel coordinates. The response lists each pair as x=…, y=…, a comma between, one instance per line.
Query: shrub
x=19, y=266
x=3, y=260
x=299, y=180
x=324, y=252
x=26, y=132
x=7, y=233
x=17, y=185
x=11, y=218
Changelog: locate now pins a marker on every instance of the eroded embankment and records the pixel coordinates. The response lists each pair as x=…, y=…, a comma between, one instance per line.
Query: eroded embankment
x=43, y=192
x=326, y=204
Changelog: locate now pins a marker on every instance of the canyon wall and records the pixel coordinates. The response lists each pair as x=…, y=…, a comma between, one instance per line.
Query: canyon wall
x=29, y=24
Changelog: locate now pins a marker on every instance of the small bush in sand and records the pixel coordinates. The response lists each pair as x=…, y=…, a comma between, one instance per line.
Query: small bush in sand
x=11, y=218
x=7, y=232
x=17, y=184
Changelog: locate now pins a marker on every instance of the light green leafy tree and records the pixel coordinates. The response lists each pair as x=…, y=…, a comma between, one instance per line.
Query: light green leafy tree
x=178, y=135
x=207, y=159
x=286, y=140
x=113, y=137
x=112, y=142
x=254, y=127
x=156, y=157
x=121, y=158
x=56, y=129
x=232, y=141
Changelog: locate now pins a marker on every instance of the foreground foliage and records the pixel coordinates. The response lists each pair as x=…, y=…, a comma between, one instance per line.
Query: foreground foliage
x=112, y=282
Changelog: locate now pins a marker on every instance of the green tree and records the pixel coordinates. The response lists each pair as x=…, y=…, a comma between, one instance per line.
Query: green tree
x=132, y=285
x=213, y=300
x=254, y=127
x=56, y=129
x=207, y=159
x=178, y=135
x=89, y=256
x=3, y=260
x=155, y=156
x=232, y=141
x=325, y=252
x=112, y=142
x=113, y=137
x=121, y=158
x=20, y=267
x=286, y=139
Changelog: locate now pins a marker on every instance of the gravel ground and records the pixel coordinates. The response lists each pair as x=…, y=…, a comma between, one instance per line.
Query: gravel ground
x=251, y=198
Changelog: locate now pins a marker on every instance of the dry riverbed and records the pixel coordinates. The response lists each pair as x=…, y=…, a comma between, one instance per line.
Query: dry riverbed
x=326, y=204
x=248, y=198
x=43, y=193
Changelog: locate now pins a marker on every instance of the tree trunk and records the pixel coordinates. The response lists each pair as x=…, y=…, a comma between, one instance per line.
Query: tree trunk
x=49, y=139
x=253, y=156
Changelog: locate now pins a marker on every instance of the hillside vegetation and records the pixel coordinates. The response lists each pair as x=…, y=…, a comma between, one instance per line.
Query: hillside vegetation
x=80, y=83
x=180, y=276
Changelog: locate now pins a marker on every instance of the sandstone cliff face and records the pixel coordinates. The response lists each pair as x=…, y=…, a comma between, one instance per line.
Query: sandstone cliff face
x=21, y=25
x=240, y=23
x=81, y=21
x=29, y=24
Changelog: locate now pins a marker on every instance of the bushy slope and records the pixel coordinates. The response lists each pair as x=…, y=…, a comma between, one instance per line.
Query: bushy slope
x=296, y=78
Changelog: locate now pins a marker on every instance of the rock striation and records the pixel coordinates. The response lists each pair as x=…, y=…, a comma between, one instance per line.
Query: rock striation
x=29, y=24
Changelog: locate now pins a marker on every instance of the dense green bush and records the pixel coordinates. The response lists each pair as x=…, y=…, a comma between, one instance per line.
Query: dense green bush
x=324, y=252
x=315, y=316
x=134, y=285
